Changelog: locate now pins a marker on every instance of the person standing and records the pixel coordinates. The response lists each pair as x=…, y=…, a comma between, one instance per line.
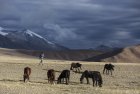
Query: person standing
x=41, y=57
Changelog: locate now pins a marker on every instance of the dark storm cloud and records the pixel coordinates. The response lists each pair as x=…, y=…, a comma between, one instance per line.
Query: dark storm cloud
x=76, y=23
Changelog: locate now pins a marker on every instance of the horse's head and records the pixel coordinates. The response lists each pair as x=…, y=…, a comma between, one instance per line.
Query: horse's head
x=82, y=76
x=100, y=81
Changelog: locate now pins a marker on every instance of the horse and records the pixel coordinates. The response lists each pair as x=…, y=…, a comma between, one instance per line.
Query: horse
x=76, y=66
x=108, y=67
x=65, y=74
x=51, y=76
x=94, y=75
x=27, y=72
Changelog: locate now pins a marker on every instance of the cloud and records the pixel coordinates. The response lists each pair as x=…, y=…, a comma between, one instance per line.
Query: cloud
x=76, y=23
x=59, y=33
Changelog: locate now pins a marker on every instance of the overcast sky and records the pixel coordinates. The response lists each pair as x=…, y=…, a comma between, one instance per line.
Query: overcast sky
x=76, y=23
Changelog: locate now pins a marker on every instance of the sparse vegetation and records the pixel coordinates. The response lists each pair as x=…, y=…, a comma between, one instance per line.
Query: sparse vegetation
x=125, y=79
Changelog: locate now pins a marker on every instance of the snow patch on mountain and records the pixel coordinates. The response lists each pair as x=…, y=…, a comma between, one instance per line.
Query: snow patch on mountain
x=32, y=34
x=2, y=33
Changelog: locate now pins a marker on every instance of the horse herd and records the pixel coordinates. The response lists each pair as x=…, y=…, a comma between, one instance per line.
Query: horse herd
x=65, y=74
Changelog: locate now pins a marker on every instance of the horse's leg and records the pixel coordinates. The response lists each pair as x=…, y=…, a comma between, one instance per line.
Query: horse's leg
x=87, y=80
x=48, y=79
x=78, y=70
x=111, y=72
x=107, y=71
x=103, y=70
x=93, y=81
x=51, y=81
x=62, y=80
x=73, y=69
x=81, y=68
x=96, y=82
x=28, y=78
x=24, y=78
x=66, y=81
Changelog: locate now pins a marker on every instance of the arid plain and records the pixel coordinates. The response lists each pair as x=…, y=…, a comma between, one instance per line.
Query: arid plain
x=125, y=78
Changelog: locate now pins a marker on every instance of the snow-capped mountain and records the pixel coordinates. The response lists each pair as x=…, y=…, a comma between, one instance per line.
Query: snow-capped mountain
x=26, y=39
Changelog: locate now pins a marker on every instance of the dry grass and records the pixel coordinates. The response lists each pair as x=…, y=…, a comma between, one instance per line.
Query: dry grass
x=125, y=78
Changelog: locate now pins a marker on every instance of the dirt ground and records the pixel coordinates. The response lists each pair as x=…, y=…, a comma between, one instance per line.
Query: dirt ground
x=125, y=78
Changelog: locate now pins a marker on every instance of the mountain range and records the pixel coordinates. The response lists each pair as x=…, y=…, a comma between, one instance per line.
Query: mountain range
x=26, y=39
x=105, y=48
x=128, y=55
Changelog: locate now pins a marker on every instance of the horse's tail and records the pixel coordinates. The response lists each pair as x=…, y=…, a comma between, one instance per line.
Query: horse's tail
x=68, y=75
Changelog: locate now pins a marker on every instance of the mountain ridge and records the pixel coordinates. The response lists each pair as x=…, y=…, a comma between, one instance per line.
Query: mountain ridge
x=125, y=55
x=26, y=39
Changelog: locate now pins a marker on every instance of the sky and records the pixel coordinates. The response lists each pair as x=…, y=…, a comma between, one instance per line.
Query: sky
x=76, y=23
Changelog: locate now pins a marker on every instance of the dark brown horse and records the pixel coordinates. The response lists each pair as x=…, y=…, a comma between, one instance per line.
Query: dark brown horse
x=108, y=67
x=94, y=75
x=65, y=74
x=27, y=72
x=76, y=66
x=51, y=76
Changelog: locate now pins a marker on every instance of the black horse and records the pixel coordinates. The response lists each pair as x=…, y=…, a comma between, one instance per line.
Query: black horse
x=64, y=74
x=94, y=75
x=76, y=66
x=27, y=72
x=108, y=67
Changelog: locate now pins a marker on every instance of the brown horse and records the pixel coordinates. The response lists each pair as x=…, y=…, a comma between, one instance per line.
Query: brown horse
x=51, y=76
x=27, y=72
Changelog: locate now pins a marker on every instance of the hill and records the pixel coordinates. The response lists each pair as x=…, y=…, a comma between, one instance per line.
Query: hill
x=128, y=55
x=58, y=55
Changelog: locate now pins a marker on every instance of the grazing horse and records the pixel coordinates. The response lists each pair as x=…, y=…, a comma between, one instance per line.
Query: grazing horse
x=51, y=76
x=94, y=75
x=27, y=72
x=64, y=74
x=76, y=66
x=108, y=67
